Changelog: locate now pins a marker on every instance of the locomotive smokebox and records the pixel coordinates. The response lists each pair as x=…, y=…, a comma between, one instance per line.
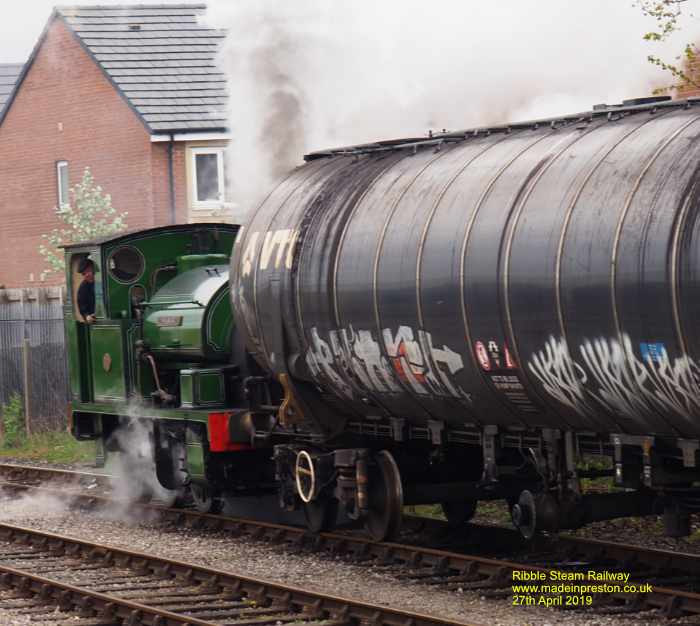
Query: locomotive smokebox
x=542, y=275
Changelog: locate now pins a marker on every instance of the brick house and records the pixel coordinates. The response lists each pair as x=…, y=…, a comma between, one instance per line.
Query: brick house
x=133, y=92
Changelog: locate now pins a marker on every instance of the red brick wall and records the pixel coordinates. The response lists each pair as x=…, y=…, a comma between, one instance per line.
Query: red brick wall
x=64, y=86
x=161, y=185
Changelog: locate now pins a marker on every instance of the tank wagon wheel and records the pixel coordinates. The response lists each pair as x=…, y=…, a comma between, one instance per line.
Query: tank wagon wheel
x=458, y=513
x=385, y=498
x=205, y=499
x=524, y=515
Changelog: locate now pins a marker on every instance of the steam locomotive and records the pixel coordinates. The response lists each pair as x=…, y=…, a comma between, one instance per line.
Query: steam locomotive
x=446, y=319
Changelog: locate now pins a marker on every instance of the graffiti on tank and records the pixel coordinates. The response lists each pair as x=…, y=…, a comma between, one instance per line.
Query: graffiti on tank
x=276, y=250
x=561, y=377
x=610, y=372
x=350, y=355
x=424, y=367
x=356, y=356
x=323, y=363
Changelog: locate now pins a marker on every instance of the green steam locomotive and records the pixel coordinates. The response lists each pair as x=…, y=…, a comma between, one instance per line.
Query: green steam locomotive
x=156, y=350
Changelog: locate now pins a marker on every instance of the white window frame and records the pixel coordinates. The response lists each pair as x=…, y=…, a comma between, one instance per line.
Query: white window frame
x=207, y=204
x=59, y=184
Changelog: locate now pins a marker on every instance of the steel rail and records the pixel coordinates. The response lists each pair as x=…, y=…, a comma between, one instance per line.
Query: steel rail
x=17, y=471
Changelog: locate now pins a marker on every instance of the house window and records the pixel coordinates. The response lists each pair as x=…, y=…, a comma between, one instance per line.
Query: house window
x=207, y=176
x=62, y=183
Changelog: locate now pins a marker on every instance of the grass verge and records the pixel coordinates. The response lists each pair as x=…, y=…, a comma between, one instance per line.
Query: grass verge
x=52, y=447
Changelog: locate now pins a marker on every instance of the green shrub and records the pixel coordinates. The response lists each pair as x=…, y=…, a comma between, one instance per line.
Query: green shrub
x=13, y=421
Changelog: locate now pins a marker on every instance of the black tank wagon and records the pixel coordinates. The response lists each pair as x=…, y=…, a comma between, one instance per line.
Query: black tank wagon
x=484, y=306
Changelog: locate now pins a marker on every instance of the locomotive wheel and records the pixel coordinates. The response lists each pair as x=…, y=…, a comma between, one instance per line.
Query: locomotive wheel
x=205, y=499
x=459, y=513
x=385, y=510
x=321, y=514
x=170, y=498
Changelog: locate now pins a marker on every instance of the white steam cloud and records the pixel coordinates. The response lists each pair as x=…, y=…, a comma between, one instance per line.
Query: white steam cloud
x=133, y=469
x=31, y=505
x=312, y=74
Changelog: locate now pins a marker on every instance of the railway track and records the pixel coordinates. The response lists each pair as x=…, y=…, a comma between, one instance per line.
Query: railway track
x=110, y=585
x=675, y=576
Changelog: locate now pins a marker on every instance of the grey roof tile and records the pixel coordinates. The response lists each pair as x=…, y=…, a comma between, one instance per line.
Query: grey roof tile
x=162, y=59
x=9, y=73
x=179, y=101
x=166, y=126
x=177, y=90
x=155, y=63
x=166, y=56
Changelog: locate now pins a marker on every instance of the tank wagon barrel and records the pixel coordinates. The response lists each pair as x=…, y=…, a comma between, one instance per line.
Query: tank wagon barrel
x=535, y=278
x=544, y=276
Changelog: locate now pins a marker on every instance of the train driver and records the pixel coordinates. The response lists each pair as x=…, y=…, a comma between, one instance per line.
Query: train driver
x=86, y=291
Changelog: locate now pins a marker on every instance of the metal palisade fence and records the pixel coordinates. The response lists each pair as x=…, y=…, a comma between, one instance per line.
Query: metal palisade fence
x=33, y=360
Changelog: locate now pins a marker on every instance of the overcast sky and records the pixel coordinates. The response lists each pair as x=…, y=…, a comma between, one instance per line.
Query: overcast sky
x=21, y=25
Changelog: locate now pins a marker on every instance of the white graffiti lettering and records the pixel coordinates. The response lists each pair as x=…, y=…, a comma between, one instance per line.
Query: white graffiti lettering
x=249, y=254
x=321, y=362
x=275, y=240
x=356, y=356
x=277, y=246
x=612, y=374
x=366, y=360
x=560, y=376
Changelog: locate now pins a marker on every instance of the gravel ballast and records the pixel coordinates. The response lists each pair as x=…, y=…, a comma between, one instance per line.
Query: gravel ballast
x=313, y=572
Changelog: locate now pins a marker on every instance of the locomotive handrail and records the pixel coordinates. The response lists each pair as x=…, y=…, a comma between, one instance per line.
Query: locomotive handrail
x=161, y=302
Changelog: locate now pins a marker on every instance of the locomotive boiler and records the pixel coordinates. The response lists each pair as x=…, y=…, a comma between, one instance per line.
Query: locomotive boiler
x=462, y=317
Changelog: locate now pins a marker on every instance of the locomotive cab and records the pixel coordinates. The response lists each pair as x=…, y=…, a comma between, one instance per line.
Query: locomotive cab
x=158, y=293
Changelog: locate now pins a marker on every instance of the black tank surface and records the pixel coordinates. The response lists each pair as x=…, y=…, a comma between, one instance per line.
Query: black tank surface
x=541, y=275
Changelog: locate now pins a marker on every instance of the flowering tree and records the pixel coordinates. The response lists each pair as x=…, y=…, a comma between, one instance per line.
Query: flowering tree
x=667, y=16
x=89, y=215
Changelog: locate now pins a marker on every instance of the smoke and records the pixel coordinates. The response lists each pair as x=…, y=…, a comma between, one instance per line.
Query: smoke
x=313, y=74
x=32, y=505
x=133, y=469
x=132, y=480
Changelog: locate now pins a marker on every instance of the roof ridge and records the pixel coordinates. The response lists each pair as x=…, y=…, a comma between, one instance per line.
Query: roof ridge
x=103, y=7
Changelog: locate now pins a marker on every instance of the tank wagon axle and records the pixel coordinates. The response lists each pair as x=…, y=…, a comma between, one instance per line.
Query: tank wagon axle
x=503, y=313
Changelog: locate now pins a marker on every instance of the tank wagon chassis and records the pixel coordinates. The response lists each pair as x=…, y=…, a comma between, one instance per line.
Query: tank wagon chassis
x=466, y=317
x=536, y=473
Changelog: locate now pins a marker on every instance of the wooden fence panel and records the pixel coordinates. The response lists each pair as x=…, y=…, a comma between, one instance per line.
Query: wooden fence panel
x=33, y=359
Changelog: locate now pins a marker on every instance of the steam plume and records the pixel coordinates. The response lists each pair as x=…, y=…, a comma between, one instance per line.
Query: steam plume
x=312, y=74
